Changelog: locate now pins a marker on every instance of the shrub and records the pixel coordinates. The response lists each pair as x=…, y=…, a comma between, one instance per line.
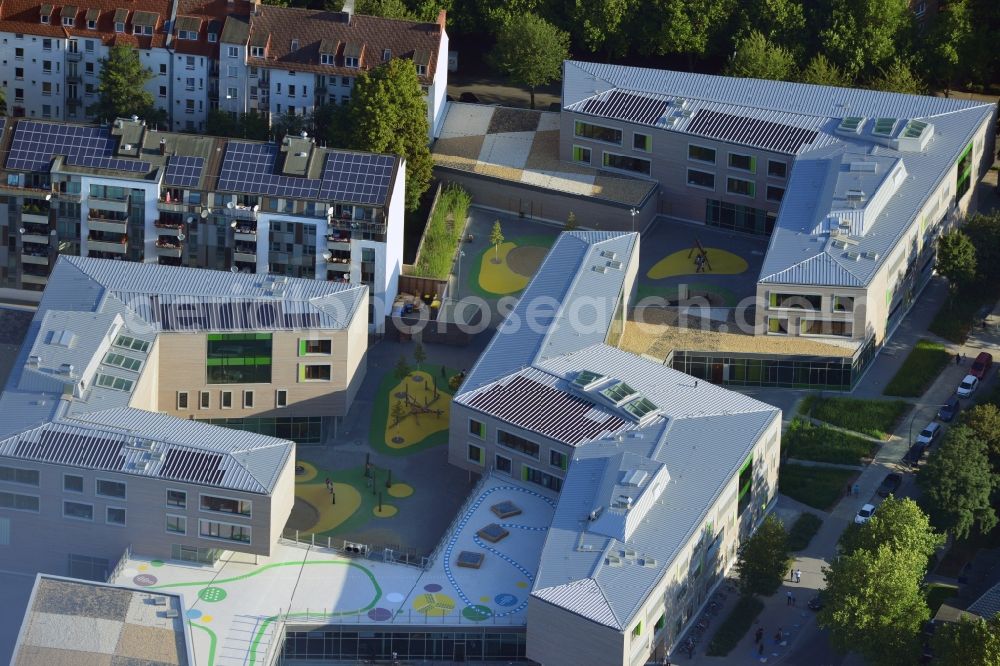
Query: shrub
x=732, y=630
x=921, y=367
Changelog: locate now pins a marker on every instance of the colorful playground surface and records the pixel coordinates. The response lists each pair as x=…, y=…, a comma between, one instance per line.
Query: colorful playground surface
x=412, y=414
x=237, y=610
x=669, y=267
x=503, y=270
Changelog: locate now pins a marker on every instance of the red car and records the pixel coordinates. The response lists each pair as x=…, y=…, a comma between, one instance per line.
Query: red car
x=981, y=365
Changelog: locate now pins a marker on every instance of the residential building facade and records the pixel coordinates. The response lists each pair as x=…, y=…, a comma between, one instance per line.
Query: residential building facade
x=128, y=192
x=106, y=423
x=203, y=55
x=658, y=477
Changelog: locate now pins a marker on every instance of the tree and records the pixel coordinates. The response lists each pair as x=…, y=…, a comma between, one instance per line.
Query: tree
x=531, y=51
x=757, y=58
x=863, y=36
x=957, y=484
x=570, y=222
x=898, y=523
x=120, y=86
x=875, y=604
x=388, y=115
x=822, y=72
x=956, y=259
x=419, y=355
x=974, y=642
x=763, y=559
x=898, y=78
x=402, y=369
x=496, y=240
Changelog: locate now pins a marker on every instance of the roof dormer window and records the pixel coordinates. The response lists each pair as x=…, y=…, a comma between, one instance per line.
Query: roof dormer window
x=45, y=14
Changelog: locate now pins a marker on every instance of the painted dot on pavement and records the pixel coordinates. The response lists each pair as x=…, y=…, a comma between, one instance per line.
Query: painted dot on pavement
x=522, y=584
x=145, y=580
x=380, y=614
x=157, y=563
x=432, y=587
x=206, y=618
x=193, y=614
x=505, y=599
x=211, y=594
x=477, y=613
x=394, y=597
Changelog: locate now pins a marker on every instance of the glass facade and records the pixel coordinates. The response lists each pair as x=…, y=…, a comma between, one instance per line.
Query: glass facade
x=239, y=358
x=299, y=429
x=354, y=643
x=835, y=374
x=739, y=218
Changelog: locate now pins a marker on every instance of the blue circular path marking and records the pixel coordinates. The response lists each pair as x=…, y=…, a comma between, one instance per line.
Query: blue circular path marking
x=505, y=599
x=449, y=549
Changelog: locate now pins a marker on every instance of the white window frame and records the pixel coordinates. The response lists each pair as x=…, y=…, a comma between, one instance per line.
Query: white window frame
x=702, y=187
x=182, y=396
x=166, y=502
x=278, y=393
x=248, y=404
x=222, y=399
x=98, y=493
x=183, y=519
x=69, y=490
x=248, y=529
x=225, y=513
x=107, y=520
x=83, y=520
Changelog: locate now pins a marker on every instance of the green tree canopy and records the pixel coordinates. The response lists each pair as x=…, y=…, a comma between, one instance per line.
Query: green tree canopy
x=758, y=58
x=763, y=559
x=531, y=51
x=967, y=643
x=898, y=523
x=875, y=604
x=956, y=259
x=864, y=36
x=120, y=87
x=957, y=484
x=898, y=78
x=387, y=114
x=822, y=72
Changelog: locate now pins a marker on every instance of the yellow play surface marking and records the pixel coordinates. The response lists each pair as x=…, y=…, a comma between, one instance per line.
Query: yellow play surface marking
x=498, y=278
x=400, y=490
x=330, y=515
x=308, y=474
x=388, y=511
x=679, y=263
x=414, y=428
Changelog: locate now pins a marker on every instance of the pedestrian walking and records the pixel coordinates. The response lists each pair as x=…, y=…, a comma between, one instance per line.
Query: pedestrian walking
x=788, y=598
x=798, y=575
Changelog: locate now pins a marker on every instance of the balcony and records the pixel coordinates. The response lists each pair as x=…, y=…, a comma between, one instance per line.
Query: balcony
x=168, y=247
x=107, y=246
x=28, y=278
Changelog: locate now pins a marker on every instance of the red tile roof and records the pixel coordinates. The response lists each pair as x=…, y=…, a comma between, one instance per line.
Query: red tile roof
x=23, y=16
x=369, y=33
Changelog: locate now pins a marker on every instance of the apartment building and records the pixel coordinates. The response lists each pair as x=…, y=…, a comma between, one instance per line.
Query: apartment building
x=233, y=55
x=106, y=423
x=128, y=192
x=658, y=476
x=852, y=186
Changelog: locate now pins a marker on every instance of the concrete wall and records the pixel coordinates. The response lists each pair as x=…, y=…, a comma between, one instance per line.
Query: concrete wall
x=50, y=538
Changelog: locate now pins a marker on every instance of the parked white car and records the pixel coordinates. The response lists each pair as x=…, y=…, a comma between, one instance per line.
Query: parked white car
x=968, y=385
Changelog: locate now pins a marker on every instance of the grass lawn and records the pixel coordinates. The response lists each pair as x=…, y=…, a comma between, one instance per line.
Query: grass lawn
x=819, y=487
x=938, y=593
x=956, y=317
x=921, y=367
x=875, y=418
x=735, y=626
x=805, y=441
x=803, y=530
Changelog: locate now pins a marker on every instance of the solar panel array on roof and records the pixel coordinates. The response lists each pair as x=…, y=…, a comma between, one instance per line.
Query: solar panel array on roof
x=627, y=106
x=356, y=177
x=184, y=171
x=73, y=448
x=34, y=144
x=250, y=168
x=751, y=131
x=113, y=163
x=194, y=466
x=228, y=316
